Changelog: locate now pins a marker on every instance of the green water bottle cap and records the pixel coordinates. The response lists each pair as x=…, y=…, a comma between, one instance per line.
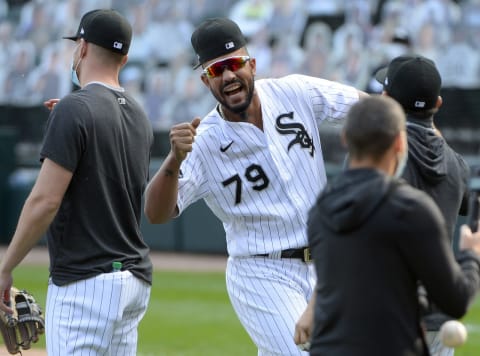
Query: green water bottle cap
x=117, y=266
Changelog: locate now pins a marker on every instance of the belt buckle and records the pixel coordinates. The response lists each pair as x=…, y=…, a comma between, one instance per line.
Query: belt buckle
x=307, y=256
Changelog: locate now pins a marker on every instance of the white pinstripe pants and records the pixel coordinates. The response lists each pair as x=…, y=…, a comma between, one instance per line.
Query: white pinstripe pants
x=436, y=346
x=96, y=316
x=269, y=296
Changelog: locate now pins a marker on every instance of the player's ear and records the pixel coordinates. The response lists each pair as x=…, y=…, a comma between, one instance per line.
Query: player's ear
x=439, y=102
x=400, y=143
x=205, y=80
x=124, y=60
x=253, y=65
x=83, y=48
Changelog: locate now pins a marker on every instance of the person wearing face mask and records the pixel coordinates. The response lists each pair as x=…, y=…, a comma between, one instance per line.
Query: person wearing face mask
x=74, y=68
x=373, y=237
x=432, y=165
x=87, y=199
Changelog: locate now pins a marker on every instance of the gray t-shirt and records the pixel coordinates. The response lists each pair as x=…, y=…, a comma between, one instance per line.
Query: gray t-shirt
x=104, y=138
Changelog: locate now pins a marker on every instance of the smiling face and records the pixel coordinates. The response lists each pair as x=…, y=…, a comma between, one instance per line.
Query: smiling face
x=230, y=78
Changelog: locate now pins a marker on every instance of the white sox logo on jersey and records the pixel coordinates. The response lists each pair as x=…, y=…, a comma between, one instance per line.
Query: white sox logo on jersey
x=297, y=129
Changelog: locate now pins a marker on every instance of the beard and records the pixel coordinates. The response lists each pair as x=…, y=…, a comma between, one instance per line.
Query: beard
x=239, y=109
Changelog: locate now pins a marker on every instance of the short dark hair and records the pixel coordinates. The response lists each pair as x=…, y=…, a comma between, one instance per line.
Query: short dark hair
x=372, y=125
x=107, y=56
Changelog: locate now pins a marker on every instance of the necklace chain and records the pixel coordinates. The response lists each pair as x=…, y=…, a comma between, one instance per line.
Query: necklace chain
x=221, y=111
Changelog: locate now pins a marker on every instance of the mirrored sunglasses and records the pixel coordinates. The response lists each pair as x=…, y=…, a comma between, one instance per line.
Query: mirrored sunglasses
x=231, y=63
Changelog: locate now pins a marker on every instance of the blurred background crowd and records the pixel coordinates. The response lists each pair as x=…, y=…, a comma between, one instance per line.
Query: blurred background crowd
x=342, y=40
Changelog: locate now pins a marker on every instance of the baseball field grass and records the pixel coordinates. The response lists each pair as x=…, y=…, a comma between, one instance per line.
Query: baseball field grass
x=190, y=315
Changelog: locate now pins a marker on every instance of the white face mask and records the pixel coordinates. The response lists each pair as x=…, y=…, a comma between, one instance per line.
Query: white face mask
x=73, y=70
x=401, y=164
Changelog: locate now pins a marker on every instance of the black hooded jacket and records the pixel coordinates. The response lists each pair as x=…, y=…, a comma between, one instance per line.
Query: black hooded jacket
x=372, y=239
x=434, y=167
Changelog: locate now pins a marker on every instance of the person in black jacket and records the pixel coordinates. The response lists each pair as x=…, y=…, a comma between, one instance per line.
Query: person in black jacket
x=373, y=237
x=432, y=165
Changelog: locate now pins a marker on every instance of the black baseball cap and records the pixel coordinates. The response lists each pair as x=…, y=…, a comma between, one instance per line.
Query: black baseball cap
x=215, y=37
x=413, y=81
x=105, y=28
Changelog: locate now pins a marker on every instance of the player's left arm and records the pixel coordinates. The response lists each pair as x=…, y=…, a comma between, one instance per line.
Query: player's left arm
x=37, y=213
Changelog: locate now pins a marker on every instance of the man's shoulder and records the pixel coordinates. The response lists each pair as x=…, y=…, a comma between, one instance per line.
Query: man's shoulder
x=287, y=80
x=411, y=200
x=72, y=105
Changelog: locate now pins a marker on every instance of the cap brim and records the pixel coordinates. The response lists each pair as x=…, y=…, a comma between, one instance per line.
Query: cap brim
x=197, y=65
x=73, y=38
x=381, y=75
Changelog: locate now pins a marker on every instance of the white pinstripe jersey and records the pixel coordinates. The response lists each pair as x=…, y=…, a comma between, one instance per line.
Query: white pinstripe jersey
x=261, y=184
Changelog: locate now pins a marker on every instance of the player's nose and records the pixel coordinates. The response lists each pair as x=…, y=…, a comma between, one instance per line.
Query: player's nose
x=227, y=74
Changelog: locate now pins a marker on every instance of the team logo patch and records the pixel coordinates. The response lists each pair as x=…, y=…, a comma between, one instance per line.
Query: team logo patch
x=295, y=128
x=229, y=45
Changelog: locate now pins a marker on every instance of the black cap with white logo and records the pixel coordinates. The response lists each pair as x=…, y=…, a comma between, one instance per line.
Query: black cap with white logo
x=413, y=81
x=105, y=28
x=215, y=37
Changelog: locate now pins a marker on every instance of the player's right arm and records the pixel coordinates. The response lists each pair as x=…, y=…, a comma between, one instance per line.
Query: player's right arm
x=161, y=192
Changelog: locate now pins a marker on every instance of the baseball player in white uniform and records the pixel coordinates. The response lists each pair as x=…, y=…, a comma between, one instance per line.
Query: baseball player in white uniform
x=256, y=160
x=87, y=200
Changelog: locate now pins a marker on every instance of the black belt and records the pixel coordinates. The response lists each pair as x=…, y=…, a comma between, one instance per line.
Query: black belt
x=301, y=253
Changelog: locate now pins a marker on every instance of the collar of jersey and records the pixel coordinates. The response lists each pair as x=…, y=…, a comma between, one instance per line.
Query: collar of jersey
x=120, y=89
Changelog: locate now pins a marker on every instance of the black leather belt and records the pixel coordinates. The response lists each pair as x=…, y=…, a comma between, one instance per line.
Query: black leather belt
x=301, y=253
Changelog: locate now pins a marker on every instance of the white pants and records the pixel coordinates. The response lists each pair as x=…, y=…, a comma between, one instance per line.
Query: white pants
x=96, y=316
x=269, y=296
x=436, y=346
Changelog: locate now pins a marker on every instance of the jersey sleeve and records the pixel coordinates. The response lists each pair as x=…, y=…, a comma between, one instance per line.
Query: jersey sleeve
x=330, y=100
x=66, y=135
x=192, y=183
